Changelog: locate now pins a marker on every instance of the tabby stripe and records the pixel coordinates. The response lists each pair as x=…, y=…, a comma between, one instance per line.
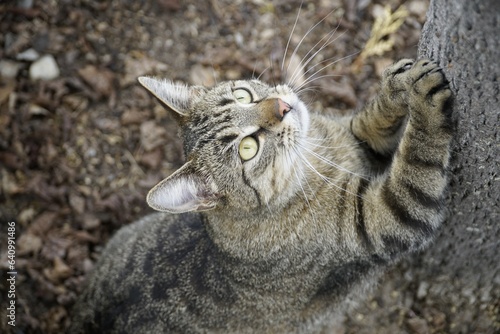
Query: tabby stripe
x=198, y=121
x=227, y=138
x=400, y=211
x=263, y=165
x=342, y=206
x=212, y=133
x=201, y=142
x=394, y=245
x=419, y=162
x=360, y=217
x=274, y=174
x=201, y=128
x=378, y=105
x=219, y=113
x=378, y=260
x=217, y=130
x=424, y=199
x=392, y=129
x=343, y=277
x=200, y=124
x=210, y=136
x=247, y=182
x=225, y=102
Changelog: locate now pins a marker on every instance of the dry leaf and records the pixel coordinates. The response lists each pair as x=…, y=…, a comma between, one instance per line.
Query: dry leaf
x=29, y=243
x=42, y=224
x=152, y=135
x=60, y=270
x=152, y=159
x=342, y=92
x=90, y=222
x=137, y=64
x=101, y=80
x=77, y=203
x=8, y=184
x=5, y=90
x=55, y=247
x=381, y=38
x=203, y=75
x=170, y=5
x=134, y=117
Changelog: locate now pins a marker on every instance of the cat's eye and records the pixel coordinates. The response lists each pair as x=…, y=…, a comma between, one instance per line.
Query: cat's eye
x=248, y=148
x=242, y=95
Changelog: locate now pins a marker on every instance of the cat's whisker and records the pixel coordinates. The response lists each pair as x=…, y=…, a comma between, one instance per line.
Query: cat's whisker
x=297, y=73
x=313, y=89
x=313, y=77
x=302, y=65
x=304, y=192
x=340, y=190
x=313, y=194
x=325, y=139
x=254, y=69
x=332, y=164
x=290, y=37
x=326, y=179
x=350, y=145
x=214, y=74
x=300, y=89
x=304, y=37
x=309, y=140
x=292, y=165
x=264, y=71
x=328, y=59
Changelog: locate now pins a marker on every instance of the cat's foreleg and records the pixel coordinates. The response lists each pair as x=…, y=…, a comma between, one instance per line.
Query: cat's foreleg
x=402, y=209
x=381, y=121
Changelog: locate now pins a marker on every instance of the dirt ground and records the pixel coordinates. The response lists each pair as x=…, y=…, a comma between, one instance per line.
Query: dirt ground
x=81, y=143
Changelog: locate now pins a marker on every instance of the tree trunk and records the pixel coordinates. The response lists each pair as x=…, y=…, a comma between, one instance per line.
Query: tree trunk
x=464, y=37
x=454, y=286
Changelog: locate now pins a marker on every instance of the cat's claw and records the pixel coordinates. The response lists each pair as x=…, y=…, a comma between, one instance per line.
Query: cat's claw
x=399, y=67
x=429, y=92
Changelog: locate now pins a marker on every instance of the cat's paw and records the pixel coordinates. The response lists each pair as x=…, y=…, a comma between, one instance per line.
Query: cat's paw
x=392, y=74
x=429, y=91
x=395, y=85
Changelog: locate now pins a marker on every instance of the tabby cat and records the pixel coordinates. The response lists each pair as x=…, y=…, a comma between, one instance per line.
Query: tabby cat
x=280, y=217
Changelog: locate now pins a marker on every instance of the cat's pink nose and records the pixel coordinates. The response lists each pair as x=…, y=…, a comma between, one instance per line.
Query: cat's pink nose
x=283, y=107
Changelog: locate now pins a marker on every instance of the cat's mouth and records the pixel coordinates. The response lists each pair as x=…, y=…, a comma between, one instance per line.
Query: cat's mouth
x=297, y=115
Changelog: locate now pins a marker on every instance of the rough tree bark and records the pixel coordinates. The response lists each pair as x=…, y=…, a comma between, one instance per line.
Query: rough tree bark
x=454, y=286
x=464, y=37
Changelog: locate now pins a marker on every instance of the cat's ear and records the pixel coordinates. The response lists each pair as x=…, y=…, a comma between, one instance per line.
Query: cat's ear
x=174, y=95
x=183, y=191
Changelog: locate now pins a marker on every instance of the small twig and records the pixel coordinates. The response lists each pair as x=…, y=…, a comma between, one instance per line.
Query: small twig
x=381, y=38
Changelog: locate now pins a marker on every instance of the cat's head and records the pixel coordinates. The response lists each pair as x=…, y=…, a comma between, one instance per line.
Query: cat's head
x=242, y=141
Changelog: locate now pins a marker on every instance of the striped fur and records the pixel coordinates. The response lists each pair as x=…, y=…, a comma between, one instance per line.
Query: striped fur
x=285, y=241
